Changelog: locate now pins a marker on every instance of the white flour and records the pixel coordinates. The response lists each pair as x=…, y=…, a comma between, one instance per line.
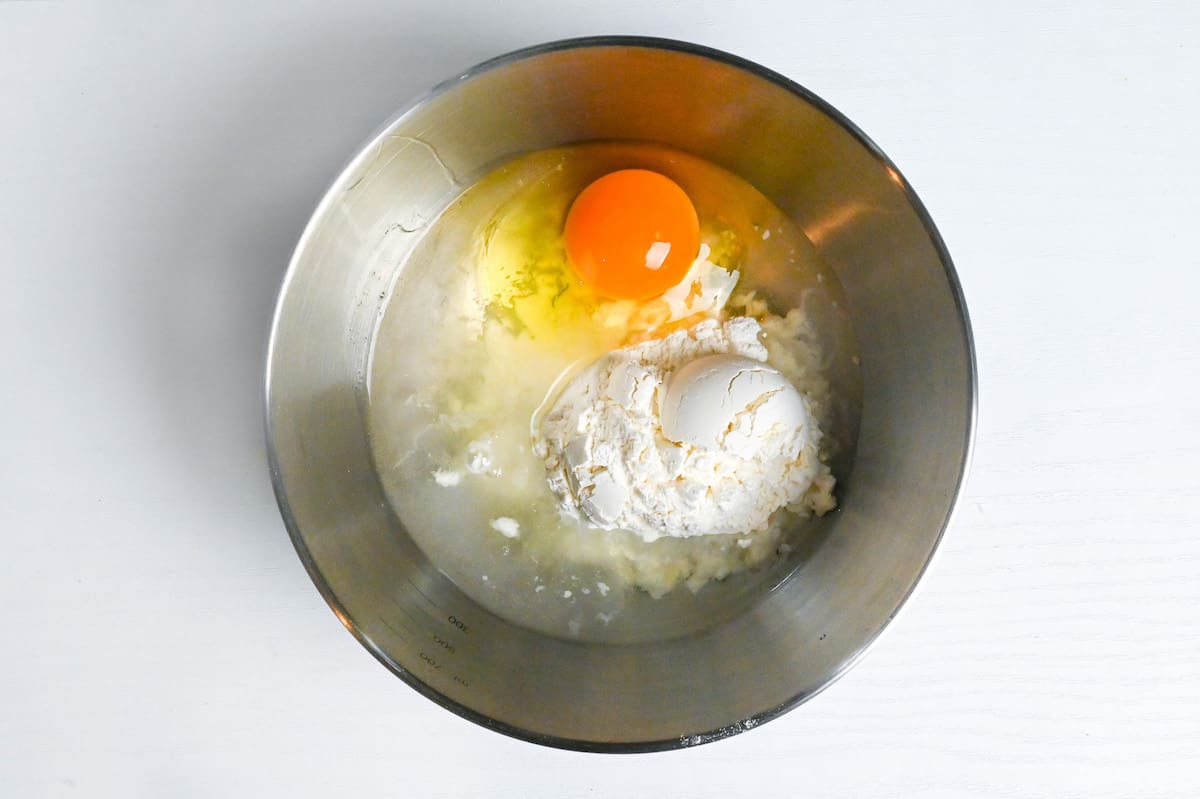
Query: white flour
x=610, y=463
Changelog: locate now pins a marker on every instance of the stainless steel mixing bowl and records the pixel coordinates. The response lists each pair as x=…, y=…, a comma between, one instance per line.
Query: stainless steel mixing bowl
x=896, y=501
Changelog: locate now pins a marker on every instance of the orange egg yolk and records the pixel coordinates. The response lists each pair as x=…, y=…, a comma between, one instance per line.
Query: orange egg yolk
x=632, y=234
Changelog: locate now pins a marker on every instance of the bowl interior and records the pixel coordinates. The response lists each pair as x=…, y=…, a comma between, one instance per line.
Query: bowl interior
x=914, y=434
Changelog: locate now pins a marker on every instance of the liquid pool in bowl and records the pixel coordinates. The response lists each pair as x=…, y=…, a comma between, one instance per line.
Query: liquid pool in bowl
x=484, y=319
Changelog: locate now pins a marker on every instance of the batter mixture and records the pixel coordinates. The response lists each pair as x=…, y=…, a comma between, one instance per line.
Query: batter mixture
x=598, y=453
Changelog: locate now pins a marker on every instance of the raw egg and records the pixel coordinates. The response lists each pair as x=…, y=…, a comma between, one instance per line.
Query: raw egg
x=632, y=234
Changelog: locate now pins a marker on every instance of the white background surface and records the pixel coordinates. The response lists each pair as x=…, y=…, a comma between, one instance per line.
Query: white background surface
x=160, y=637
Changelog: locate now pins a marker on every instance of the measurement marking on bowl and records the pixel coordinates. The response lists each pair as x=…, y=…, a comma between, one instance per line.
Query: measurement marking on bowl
x=443, y=643
x=432, y=604
x=403, y=634
x=435, y=662
x=458, y=624
x=403, y=608
x=415, y=623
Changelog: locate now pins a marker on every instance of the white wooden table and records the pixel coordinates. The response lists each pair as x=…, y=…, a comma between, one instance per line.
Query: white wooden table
x=160, y=637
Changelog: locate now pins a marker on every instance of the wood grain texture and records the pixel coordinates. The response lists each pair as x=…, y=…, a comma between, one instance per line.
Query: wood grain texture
x=160, y=637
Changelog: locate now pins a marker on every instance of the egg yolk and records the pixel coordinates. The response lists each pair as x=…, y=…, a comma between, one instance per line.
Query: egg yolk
x=632, y=234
